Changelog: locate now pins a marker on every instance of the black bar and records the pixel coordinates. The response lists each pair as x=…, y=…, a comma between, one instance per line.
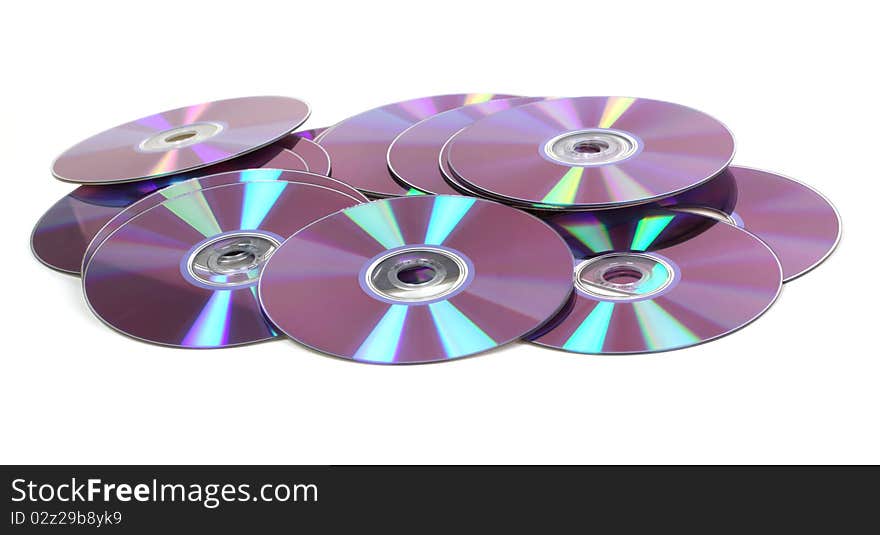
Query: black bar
x=223, y=499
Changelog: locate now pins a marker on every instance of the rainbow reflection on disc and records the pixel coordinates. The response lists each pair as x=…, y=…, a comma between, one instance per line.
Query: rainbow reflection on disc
x=590, y=152
x=62, y=234
x=180, y=140
x=183, y=188
x=416, y=279
x=358, y=146
x=184, y=273
x=796, y=221
x=664, y=280
x=414, y=155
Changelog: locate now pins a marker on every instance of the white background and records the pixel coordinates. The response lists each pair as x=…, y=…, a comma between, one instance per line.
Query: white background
x=797, y=85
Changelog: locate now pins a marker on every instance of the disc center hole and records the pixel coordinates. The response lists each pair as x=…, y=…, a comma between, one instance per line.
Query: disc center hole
x=236, y=257
x=622, y=275
x=181, y=136
x=417, y=274
x=593, y=146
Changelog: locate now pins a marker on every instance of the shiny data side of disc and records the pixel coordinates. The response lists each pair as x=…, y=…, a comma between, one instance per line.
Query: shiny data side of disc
x=62, y=234
x=591, y=152
x=222, y=179
x=184, y=273
x=180, y=140
x=416, y=279
x=662, y=281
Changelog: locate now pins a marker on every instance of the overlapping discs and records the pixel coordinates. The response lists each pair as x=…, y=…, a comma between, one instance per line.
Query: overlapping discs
x=60, y=237
x=416, y=279
x=358, y=146
x=796, y=221
x=180, y=140
x=664, y=280
x=315, y=157
x=184, y=272
x=414, y=155
x=311, y=134
x=590, y=152
x=181, y=188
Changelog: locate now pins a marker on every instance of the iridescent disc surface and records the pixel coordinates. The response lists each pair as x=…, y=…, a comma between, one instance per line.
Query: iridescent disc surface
x=60, y=237
x=664, y=280
x=184, y=273
x=183, y=188
x=414, y=155
x=358, y=146
x=180, y=140
x=796, y=221
x=591, y=152
x=416, y=279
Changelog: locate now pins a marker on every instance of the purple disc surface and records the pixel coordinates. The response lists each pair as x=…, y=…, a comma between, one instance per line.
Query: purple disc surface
x=180, y=140
x=414, y=155
x=796, y=221
x=315, y=157
x=222, y=179
x=62, y=234
x=658, y=281
x=591, y=152
x=416, y=279
x=184, y=273
x=718, y=194
x=311, y=134
x=449, y=175
x=287, y=159
x=358, y=146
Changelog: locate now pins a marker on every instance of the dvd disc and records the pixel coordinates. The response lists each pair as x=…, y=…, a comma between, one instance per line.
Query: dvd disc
x=184, y=272
x=60, y=237
x=796, y=221
x=590, y=152
x=416, y=279
x=358, y=146
x=180, y=140
x=414, y=155
x=664, y=280
x=718, y=194
x=183, y=188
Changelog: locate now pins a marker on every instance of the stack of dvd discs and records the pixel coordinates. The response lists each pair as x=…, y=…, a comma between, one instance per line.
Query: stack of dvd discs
x=430, y=229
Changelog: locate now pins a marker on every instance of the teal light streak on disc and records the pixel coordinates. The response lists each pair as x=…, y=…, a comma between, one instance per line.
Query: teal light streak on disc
x=445, y=215
x=377, y=219
x=589, y=337
x=251, y=175
x=648, y=229
x=211, y=327
x=458, y=334
x=381, y=344
x=595, y=236
x=258, y=199
x=658, y=276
